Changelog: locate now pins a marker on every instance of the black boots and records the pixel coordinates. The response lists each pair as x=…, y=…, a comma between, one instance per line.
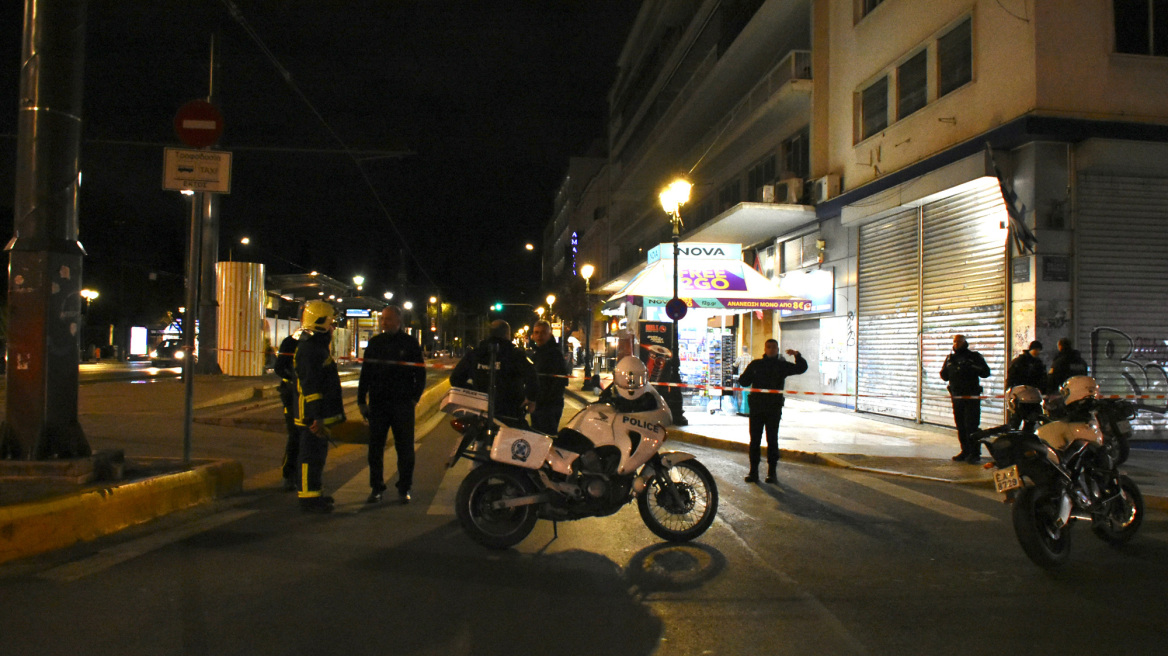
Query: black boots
x=752, y=477
x=771, y=477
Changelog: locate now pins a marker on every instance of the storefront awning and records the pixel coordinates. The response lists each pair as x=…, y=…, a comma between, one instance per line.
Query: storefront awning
x=725, y=286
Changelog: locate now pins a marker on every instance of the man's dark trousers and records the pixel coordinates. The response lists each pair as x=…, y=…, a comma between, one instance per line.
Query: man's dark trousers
x=291, y=450
x=767, y=420
x=546, y=417
x=967, y=418
x=398, y=417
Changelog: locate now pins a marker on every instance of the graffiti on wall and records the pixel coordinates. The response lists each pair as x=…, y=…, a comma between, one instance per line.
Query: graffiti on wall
x=1123, y=364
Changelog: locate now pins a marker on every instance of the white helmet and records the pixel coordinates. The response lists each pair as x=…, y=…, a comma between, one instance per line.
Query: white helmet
x=631, y=378
x=1078, y=388
x=1024, y=399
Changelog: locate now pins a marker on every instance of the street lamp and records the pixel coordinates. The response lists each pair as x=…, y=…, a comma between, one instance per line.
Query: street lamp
x=586, y=272
x=388, y=295
x=358, y=281
x=672, y=198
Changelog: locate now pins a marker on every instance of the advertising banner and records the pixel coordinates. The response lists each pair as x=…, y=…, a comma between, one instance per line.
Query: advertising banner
x=655, y=339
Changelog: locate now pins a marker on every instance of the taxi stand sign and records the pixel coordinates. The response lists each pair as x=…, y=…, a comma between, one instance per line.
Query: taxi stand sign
x=185, y=169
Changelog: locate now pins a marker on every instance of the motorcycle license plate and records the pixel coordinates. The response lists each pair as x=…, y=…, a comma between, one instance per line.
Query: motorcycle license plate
x=1007, y=479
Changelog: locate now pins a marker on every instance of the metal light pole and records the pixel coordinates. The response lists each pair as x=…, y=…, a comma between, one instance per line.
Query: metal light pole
x=586, y=273
x=672, y=198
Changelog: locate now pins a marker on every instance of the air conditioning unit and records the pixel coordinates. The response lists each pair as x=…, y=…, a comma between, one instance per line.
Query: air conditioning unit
x=765, y=194
x=825, y=188
x=789, y=190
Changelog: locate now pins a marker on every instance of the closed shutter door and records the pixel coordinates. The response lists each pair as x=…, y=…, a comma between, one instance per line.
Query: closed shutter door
x=963, y=292
x=889, y=285
x=801, y=336
x=1122, y=282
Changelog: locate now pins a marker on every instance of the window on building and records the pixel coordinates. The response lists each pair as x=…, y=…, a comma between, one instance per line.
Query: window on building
x=955, y=58
x=912, y=84
x=796, y=154
x=729, y=196
x=762, y=173
x=1141, y=27
x=874, y=108
x=865, y=7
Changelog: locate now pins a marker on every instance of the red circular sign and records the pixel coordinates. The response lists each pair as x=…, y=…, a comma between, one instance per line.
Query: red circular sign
x=676, y=309
x=198, y=124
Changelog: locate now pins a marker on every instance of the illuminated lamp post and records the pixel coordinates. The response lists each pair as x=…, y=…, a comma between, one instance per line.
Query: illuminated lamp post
x=672, y=198
x=586, y=272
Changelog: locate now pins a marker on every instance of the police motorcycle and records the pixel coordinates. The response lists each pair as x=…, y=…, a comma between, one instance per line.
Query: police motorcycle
x=608, y=455
x=1063, y=466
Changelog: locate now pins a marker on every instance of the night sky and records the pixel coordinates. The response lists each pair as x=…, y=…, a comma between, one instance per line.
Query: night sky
x=461, y=115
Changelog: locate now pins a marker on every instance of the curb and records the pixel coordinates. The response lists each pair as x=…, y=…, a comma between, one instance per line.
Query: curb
x=32, y=528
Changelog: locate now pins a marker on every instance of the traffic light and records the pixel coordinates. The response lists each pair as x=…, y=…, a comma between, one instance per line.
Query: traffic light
x=497, y=307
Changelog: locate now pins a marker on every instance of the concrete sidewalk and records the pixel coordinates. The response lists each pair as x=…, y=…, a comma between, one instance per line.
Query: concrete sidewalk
x=821, y=434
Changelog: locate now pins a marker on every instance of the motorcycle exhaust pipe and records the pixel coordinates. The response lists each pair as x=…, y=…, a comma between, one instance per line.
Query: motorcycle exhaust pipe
x=519, y=501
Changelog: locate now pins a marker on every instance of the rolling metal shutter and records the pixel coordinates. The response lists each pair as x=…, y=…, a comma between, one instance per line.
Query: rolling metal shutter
x=889, y=304
x=1122, y=283
x=963, y=292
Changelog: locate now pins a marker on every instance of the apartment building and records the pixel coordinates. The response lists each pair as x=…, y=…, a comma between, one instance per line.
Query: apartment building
x=853, y=149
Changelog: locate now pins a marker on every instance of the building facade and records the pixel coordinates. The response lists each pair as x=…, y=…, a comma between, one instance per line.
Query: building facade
x=858, y=151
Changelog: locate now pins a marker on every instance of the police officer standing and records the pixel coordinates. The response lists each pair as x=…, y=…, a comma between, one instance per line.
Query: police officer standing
x=386, y=395
x=766, y=408
x=285, y=370
x=553, y=378
x=1067, y=363
x=962, y=369
x=318, y=402
x=515, y=379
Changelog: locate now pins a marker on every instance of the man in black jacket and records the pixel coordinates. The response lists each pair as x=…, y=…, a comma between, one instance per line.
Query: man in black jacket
x=393, y=377
x=962, y=369
x=766, y=409
x=318, y=402
x=287, y=373
x=1026, y=369
x=1067, y=363
x=552, y=370
x=515, y=379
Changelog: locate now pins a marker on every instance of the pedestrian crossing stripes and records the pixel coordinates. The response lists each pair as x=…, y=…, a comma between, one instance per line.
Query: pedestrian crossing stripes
x=925, y=501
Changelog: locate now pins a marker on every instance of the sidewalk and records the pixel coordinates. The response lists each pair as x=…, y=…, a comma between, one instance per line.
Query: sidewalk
x=821, y=434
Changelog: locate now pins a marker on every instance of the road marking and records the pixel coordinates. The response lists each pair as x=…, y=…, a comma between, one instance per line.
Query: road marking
x=107, y=558
x=444, y=497
x=851, y=505
x=811, y=600
x=873, y=482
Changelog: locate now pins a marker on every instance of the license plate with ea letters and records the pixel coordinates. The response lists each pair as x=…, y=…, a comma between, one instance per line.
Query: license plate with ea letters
x=1007, y=479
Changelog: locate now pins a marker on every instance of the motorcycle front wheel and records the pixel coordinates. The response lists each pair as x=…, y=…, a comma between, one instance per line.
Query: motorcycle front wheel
x=496, y=528
x=686, y=515
x=1123, y=516
x=1035, y=512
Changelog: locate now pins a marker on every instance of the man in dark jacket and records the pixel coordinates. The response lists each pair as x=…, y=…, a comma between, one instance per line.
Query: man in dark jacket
x=318, y=402
x=553, y=378
x=287, y=373
x=515, y=379
x=393, y=377
x=1026, y=369
x=766, y=409
x=962, y=369
x=1067, y=363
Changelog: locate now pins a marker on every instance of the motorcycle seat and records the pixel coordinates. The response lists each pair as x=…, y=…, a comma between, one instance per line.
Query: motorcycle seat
x=571, y=440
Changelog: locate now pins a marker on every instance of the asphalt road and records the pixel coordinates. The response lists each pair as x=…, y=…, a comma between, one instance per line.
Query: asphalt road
x=825, y=562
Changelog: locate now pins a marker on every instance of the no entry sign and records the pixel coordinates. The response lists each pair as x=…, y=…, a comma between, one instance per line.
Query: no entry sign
x=198, y=124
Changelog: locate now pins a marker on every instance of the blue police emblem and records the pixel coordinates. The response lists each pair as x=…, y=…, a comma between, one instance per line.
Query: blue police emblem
x=520, y=450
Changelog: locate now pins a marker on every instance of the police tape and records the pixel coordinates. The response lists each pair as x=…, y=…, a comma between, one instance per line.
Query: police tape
x=724, y=388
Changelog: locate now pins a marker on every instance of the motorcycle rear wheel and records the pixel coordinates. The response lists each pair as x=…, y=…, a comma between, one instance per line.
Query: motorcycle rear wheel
x=1035, y=511
x=1124, y=515
x=698, y=508
x=495, y=528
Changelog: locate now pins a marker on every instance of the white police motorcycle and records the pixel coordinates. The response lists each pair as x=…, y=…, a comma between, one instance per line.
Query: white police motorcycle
x=608, y=455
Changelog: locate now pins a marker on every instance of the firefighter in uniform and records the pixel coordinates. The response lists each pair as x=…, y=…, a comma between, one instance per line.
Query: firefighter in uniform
x=287, y=373
x=318, y=401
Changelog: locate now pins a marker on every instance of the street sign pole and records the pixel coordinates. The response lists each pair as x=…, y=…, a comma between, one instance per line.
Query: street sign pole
x=190, y=312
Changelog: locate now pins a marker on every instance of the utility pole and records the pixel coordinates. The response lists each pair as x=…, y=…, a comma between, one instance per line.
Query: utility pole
x=44, y=255
x=208, y=310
